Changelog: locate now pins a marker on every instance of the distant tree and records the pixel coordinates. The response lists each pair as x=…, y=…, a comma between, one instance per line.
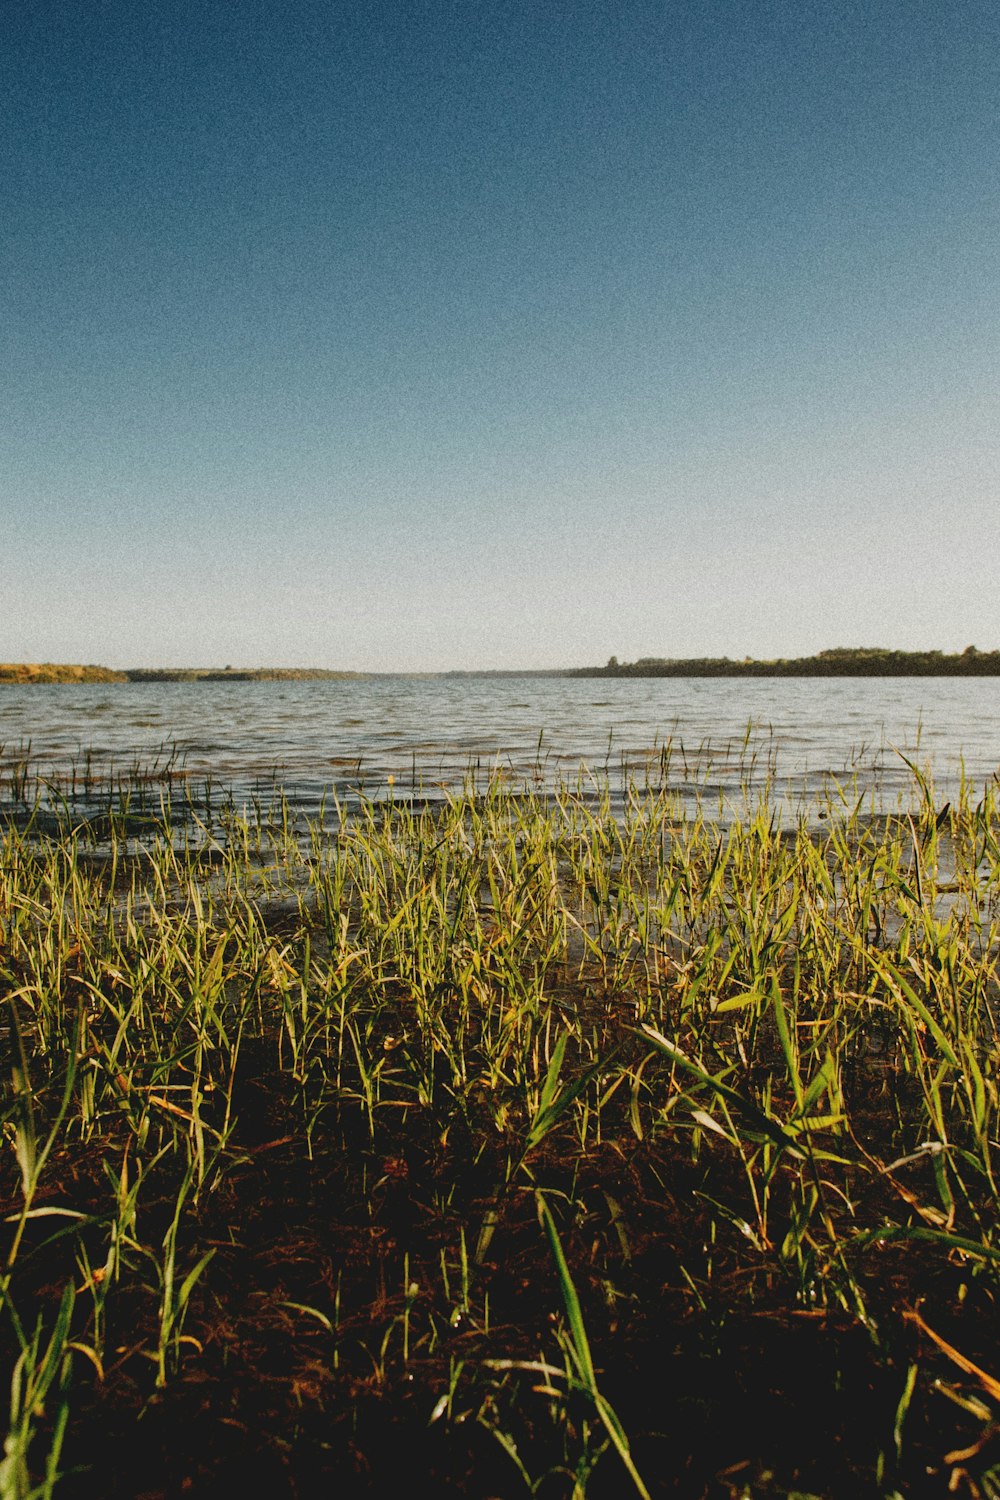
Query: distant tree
x=612, y=663
x=970, y=651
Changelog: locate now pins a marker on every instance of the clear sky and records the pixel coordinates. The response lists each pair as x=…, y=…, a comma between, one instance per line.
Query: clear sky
x=454, y=334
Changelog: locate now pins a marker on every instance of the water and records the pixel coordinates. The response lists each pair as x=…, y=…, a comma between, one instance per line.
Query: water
x=702, y=736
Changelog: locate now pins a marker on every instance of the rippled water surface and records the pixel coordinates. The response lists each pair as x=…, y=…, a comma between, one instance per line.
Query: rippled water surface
x=707, y=735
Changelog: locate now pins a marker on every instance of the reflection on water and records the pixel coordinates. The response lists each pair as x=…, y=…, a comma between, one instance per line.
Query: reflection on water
x=696, y=736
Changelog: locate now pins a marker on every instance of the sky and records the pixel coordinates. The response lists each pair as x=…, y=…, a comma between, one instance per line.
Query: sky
x=444, y=335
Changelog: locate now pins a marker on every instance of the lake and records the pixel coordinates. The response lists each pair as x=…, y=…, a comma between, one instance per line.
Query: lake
x=699, y=736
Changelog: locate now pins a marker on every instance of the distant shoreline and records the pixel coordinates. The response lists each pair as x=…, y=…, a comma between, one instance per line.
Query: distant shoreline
x=21, y=673
x=839, y=662
x=868, y=661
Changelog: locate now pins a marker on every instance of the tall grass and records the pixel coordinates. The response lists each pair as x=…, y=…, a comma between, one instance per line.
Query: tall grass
x=765, y=1053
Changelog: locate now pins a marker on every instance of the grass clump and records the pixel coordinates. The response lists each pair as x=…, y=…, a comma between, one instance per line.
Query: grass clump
x=531, y=1148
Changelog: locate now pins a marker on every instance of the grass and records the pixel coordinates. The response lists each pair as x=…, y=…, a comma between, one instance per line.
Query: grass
x=509, y=1142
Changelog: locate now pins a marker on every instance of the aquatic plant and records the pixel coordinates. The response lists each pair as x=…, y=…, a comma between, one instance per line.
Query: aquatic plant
x=553, y=1148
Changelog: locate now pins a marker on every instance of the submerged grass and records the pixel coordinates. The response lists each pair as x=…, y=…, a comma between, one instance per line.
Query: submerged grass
x=524, y=1146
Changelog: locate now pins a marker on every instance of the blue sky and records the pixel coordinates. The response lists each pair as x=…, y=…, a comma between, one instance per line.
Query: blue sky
x=449, y=335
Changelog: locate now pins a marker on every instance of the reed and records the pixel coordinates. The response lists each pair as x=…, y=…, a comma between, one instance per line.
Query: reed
x=480, y=1135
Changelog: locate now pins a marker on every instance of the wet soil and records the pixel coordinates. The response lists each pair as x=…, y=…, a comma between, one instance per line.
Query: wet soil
x=726, y=1380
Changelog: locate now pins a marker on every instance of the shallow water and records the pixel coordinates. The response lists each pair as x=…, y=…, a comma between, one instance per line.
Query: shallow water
x=698, y=736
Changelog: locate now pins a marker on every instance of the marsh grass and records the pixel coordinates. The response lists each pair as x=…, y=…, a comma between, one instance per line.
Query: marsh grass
x=531, y=1142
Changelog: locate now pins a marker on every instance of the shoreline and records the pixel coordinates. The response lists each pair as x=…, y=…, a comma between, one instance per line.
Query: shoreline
x=21, y=674
x=838, y=662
